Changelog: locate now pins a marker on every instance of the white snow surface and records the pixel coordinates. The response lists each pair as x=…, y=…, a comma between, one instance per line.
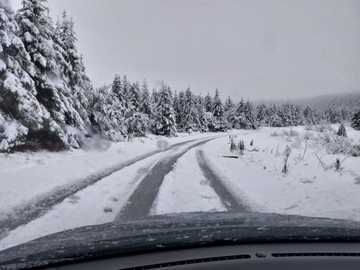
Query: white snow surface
x=255, y=178
x=308, y=189
x=185, y=189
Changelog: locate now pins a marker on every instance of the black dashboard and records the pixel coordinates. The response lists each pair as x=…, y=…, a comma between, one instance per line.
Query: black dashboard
x=294, y=256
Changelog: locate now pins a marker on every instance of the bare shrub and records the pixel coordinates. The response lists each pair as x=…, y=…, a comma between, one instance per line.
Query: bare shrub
x=274, y=134
x=286, y=154
x=324, y=128
x=293, y=133
x=308, y=135
x=290, y=133
x=241, y=145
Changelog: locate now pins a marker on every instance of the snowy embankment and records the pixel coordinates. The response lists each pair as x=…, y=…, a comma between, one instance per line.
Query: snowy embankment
x=308, y=188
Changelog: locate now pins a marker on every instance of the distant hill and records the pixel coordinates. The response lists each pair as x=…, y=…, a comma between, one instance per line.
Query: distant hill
x=348, y=101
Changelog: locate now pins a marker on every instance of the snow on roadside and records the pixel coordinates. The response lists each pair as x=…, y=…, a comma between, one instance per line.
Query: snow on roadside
x=185, y=189
x=26, y=177
x=307, y=189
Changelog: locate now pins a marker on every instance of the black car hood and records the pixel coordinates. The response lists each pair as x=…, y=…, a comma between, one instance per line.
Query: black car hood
x=174, y=231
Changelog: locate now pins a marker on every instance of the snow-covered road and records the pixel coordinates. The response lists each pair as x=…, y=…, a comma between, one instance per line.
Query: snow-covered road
x=127, y=191
x=45, y=193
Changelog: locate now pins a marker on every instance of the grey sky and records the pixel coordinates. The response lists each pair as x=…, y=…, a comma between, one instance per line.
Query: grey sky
x=256, y=49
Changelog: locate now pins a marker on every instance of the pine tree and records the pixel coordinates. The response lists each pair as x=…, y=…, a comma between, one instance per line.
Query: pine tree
x=229, y=104
x=342, y=130
x=145, y=102
x=165, y=118
x=218, y=108
x=261, y=116
x=203, y=122
x=66, y=127
x=177, y=107
x=208, y=103
x=19, y=109
x=73, y=66
x=189, y=119
x=355, y=120
x=137, y=122
x=107, y=114
x=243, y=116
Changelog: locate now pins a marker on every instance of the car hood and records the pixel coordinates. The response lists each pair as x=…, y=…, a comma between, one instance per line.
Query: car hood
x=174, y=231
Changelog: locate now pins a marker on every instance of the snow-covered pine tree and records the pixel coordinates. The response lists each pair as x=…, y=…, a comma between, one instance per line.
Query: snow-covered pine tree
x=165, y=115
x=177, y=107
x=189, y=119
x=274, y=118
x=203, y=122
x=19, y=109
x=298, y=116
x=286, y=113
x=208, y=103
x=66, y=127
x=215, y=117
x=107, y=114
x=137, y=122
x=309, y=116
x=126, y=90
x=229, y=107
x=243, y=117
x=355, y=120
x=145, y=101
x=218, y=108
x=74, y=68
x=229, y=104
x=261, y=116
x=251, y=122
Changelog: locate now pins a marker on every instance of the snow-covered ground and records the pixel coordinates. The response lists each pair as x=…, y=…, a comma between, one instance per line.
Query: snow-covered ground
x=26, y=177
x=255, y=178
x=308, y=189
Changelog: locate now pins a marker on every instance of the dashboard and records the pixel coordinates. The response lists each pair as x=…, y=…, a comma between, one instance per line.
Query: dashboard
x=294, y=256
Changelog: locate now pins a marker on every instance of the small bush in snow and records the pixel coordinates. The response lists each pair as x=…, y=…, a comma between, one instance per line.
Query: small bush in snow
x=324, y=128
x=290, y=133
x=297, y=143
x=274, y=134
x=308, y=135
x=308, y=127
x=334, y=144
x=342, y=130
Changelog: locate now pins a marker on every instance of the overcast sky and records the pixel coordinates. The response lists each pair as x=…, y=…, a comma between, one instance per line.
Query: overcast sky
x=256, y=49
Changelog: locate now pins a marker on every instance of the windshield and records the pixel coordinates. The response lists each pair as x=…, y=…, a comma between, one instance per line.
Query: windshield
x=113, y=111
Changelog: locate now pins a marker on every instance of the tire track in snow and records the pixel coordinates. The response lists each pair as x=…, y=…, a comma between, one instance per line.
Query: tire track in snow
x=229, y=201
x=140, y=202
x=42, y=204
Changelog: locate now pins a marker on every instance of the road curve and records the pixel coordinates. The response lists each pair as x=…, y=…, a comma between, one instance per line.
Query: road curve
x=142, y=199
x=37, y=208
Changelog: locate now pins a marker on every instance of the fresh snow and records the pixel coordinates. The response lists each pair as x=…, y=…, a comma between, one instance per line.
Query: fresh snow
x=308, y=189
x=185, y=189
x=255, y=178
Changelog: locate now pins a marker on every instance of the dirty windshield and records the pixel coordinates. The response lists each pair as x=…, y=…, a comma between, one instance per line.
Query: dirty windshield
x=113, y=111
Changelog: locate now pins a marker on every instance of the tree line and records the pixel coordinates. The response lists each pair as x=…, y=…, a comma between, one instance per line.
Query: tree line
x=48, y=101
